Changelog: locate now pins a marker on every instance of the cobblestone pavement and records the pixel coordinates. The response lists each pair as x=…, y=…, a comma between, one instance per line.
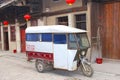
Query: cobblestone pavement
x=13, y=67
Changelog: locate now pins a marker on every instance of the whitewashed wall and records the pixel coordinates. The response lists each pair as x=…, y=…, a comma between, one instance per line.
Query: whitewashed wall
x=51, y=5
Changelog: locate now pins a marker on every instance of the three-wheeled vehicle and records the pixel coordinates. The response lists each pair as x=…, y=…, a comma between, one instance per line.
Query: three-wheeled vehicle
x=59, y=46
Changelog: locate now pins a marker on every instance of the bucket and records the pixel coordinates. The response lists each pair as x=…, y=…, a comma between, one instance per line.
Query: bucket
x=99, y=60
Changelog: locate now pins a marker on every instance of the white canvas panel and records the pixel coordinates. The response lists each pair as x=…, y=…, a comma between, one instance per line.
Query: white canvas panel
x=60, y=56
x=39, y=46
x=72, y=65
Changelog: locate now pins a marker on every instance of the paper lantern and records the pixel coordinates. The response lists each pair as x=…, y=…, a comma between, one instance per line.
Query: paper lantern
x=27, y=17
x=70, y=2
x=5, y=23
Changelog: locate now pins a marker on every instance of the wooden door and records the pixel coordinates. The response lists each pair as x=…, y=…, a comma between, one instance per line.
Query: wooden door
x=111, y=30
x=23, y=45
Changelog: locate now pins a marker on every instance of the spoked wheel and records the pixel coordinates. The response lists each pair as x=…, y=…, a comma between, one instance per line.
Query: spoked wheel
x=40, y=66
x=87, y=70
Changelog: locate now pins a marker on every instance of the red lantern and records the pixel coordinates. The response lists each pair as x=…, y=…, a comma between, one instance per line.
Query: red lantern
x=70, y=2
x=27, y=17
x=5, y=23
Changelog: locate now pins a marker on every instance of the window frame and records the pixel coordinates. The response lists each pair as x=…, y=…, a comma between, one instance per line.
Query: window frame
x=81, y=21
x=63, y=21
x=39, y=37
x=84, y=3
x=34, y=22
x=12, y=33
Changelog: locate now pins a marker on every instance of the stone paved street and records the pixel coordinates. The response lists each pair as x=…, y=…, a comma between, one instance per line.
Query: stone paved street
x=16, y=67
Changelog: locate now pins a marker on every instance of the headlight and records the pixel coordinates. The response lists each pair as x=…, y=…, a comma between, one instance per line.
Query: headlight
x=83, y=53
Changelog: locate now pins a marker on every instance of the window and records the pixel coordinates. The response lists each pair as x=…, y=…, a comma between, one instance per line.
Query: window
x=55, y=0
x=62, y=20
x=39, y=37
x=59, y=38
x=81, y=21
x=46, y=37
x=83, y=40
x=12, y=32
x=72, y=43
x=84, y=2
x=34, y=22
x=32, y=37
x=34, y=5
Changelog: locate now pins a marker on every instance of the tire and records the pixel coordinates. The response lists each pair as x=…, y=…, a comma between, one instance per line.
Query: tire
x=89, y=70
x=40, y=66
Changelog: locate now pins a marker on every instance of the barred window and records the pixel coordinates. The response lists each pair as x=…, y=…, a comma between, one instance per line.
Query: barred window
x=62, y=20
x=80, y=21
x=34, y=22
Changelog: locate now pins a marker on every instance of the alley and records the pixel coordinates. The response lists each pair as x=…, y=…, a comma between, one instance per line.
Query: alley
x=16, y=67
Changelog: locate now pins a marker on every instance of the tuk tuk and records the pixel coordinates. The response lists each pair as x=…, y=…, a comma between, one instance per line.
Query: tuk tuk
x=58, y=46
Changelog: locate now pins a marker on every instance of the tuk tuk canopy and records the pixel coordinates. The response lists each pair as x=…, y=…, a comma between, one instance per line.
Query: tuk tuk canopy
x=54, y=29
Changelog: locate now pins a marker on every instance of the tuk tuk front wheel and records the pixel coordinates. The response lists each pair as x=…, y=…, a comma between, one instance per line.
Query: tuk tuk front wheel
x=40, y=66
x=87, y=70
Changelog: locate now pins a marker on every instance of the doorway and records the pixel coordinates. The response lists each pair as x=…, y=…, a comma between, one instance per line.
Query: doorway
x=6, y=41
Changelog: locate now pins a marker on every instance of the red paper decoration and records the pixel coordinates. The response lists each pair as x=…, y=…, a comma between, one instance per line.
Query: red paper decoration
x=70, y=2
x=27, y=17
x=5, y=23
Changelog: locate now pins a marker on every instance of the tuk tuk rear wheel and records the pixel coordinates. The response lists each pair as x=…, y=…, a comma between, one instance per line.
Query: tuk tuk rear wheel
x=40, y=66
x=89, y=70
